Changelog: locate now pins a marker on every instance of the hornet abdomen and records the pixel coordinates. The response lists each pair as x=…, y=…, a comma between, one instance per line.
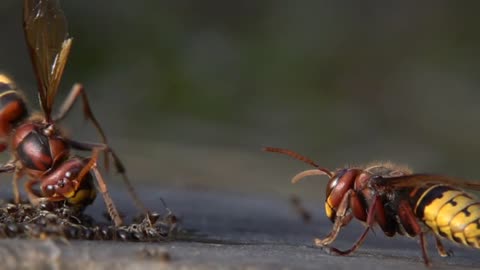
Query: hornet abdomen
x=450, y=213
x=13, y=109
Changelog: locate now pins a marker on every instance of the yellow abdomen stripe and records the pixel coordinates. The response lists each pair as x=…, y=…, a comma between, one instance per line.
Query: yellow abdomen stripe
x=6, y=83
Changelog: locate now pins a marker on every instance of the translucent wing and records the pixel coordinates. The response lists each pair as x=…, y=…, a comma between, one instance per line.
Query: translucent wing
x=46, y=34
x=416, y=180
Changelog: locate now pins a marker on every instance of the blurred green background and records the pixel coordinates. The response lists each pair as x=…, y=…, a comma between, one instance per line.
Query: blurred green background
x=189, y=91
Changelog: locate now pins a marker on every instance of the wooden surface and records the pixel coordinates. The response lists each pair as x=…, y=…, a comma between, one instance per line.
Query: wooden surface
x=228, y=231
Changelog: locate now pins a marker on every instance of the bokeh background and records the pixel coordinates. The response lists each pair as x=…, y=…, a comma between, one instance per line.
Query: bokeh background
x=189, y=91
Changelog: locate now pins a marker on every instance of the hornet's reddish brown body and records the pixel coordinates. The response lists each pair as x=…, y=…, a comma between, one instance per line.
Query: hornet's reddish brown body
x=399, y=202
x=39, y=148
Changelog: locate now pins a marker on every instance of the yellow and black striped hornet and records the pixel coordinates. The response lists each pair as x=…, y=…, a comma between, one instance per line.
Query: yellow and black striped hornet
x=399, y=201
x=40, y=149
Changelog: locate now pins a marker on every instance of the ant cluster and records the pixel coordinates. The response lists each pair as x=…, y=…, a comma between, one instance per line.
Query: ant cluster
x=55, y=220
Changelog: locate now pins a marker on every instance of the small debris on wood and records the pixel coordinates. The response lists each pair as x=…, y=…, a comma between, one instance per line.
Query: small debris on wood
x=298, y=207
x=156, y=254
